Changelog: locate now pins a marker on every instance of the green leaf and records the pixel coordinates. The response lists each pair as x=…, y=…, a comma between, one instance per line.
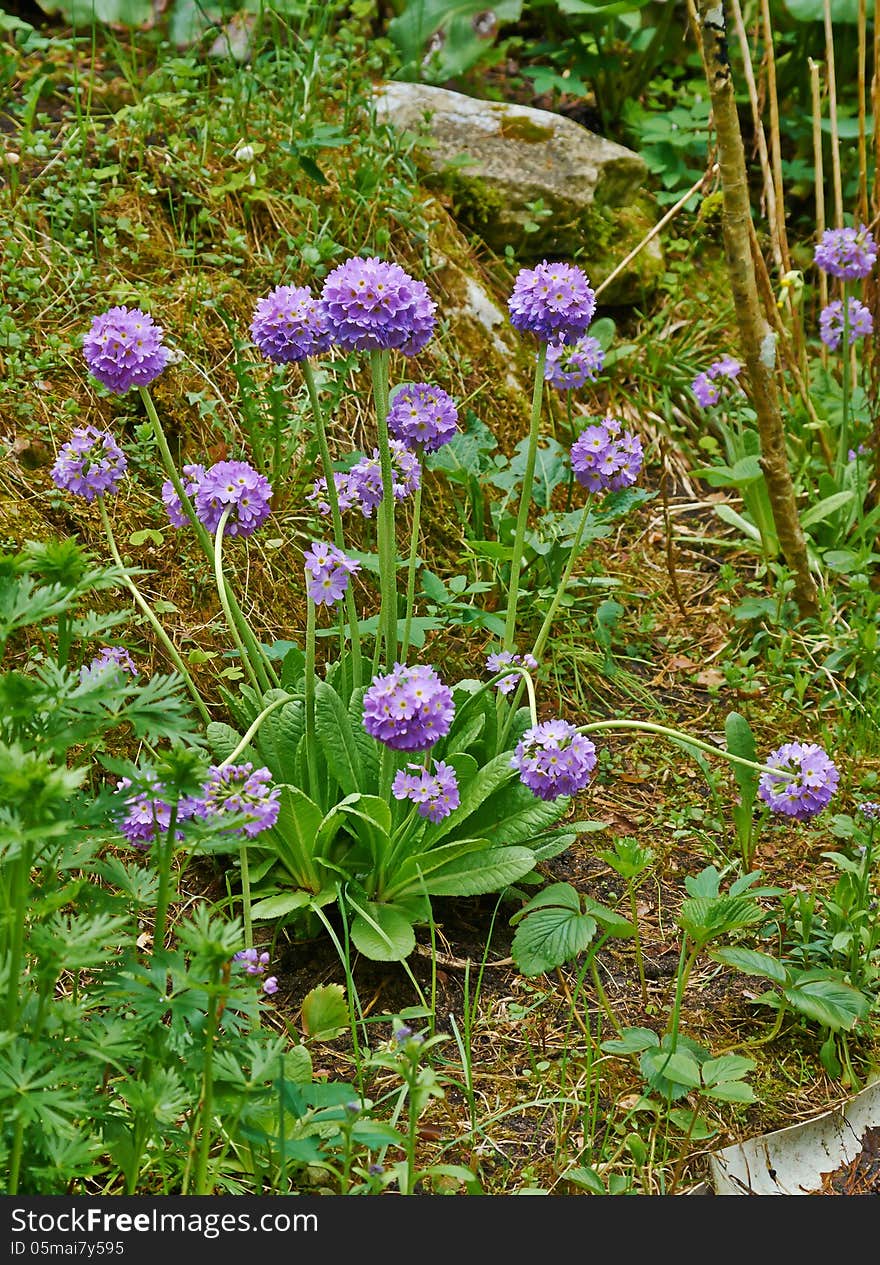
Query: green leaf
x=293, y=835
x=679, y=1067
x=549, y=936
x=382, y=933
x=281, y=905
x=496, y=773
x=325, y=1012
x=613, y=923
x=731, y=1091
x=823, y=509
x=488, y=869
x=631, y=1041
x=729, y=1067
x=222, y=739
x=831, y=1003
x=751, y=962
x=333, y=728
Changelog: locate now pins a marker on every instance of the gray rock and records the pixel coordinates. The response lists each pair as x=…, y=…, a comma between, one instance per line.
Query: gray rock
x=534, y=180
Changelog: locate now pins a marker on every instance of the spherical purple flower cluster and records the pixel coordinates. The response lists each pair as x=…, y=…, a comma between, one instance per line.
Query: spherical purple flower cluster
x=423, y=417
x=289, y=325
x=435, y=795
x=255, y=964
x=861, y=323
x=408, y=708
x=503, y=659
x=328, y=570
x=604, y=458
x=240, y=789
x=90, y=464
x=124, y=349
x=115, y=658
x=707, y=388
x=554, y=301
x=848, y=253
x=371, y=305
x=192, y=477
x=362, y=484
x=570, y=365
x=148, y=815
x=807, y=793
x=553, y=759
x=869, y=809
x=234, y=486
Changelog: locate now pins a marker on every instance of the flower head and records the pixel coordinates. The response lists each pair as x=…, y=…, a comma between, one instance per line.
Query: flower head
x=240, y=789
x=90, y=464
x=289, y=324
x=328, y=570
x=848, y=253
x=809, y=791
x=505, y=658
x=423, y=417
x=861, y=323
x=235, y=486
x=553, y=301
x=604, y=458
x=147, y=815
x=553, y=759
x=706, y=387
x=115, y=658
x=124, y=349
x=408, y=708
x=362, y=484
x=570, y=365
x=435, y=795
x=192, y=477
x=253, y=963
x=869, y=809
x=371, y=305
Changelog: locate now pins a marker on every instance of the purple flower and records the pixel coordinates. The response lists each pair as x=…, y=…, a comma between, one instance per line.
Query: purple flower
x=192, y=477
x=147, y=815
x=423, y=417
x=435, y=795
x=289, y=325
x=240, y=789
x=869, y=809
x=90, y=464
x=270, y=985
x=848, y=253
x=553, y=301
x=569, y=366
x=108, y=657
x=553, y=759
x=362, y=484
x=124, y=349
x=726, y=367
x=503, y=659
x=861, y=323
x=854, y=453
x=705, y=390
x=371, y=305
x=253, y=963
x=234, y=485
x=604, y=458
x=408, y=708
x=329, y=570
x=806, y=794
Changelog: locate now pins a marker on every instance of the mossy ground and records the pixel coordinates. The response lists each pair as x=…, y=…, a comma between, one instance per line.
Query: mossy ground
x=134, y=194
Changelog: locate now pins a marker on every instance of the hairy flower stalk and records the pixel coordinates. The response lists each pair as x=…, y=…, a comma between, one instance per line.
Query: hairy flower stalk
x=753, y=330
x=573, y=554
x=525, y=500
x=387, y=537
x=309, y=692
x=225, y=601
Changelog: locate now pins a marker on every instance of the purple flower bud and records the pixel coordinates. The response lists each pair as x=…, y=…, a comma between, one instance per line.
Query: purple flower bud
x=90, y=464
x=192, y=477
x=553, y=759
x=553, y=301
x=239, y=789
x=423, y=417
x=289, y=325
x=371, y=305
x=234, y=486
x=115, y=658
x=435, y=795
x=848, y=253
x=408, y=709
x=124, y=348
x=806, y=794
x=569, y=366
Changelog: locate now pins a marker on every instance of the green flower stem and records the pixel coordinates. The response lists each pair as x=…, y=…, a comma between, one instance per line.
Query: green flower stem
x=387, y=539
x=20, y=887
x=335, y=514
x=311, y=749
x=512, y=709
x=843, y=440
x=546, y=627
x=411, y=572
x=646, y=726
x=246, y=896
x=204, y=539
x=163, y=896
x=637, y=942
x=260, y=685
x=151, y=617
x=525, y=501
x=207, y=1096
x=685, y=966
x=15, y=1158
x=256, y=726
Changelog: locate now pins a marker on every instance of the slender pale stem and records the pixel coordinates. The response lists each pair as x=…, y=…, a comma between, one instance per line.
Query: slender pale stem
x=646, y=726
x=163, y=898
x=246, y=896
x=203, y=537
x=387, y=539
x=411, y=572
x=525, y=501
x=546, y=627
x=843, y=442
x=223, y=594
x=335, y=513
x=311, y=749
x=153, y=620
x=256, y=726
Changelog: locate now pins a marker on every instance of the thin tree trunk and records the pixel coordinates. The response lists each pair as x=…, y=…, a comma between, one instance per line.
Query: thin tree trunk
x=757, y=342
